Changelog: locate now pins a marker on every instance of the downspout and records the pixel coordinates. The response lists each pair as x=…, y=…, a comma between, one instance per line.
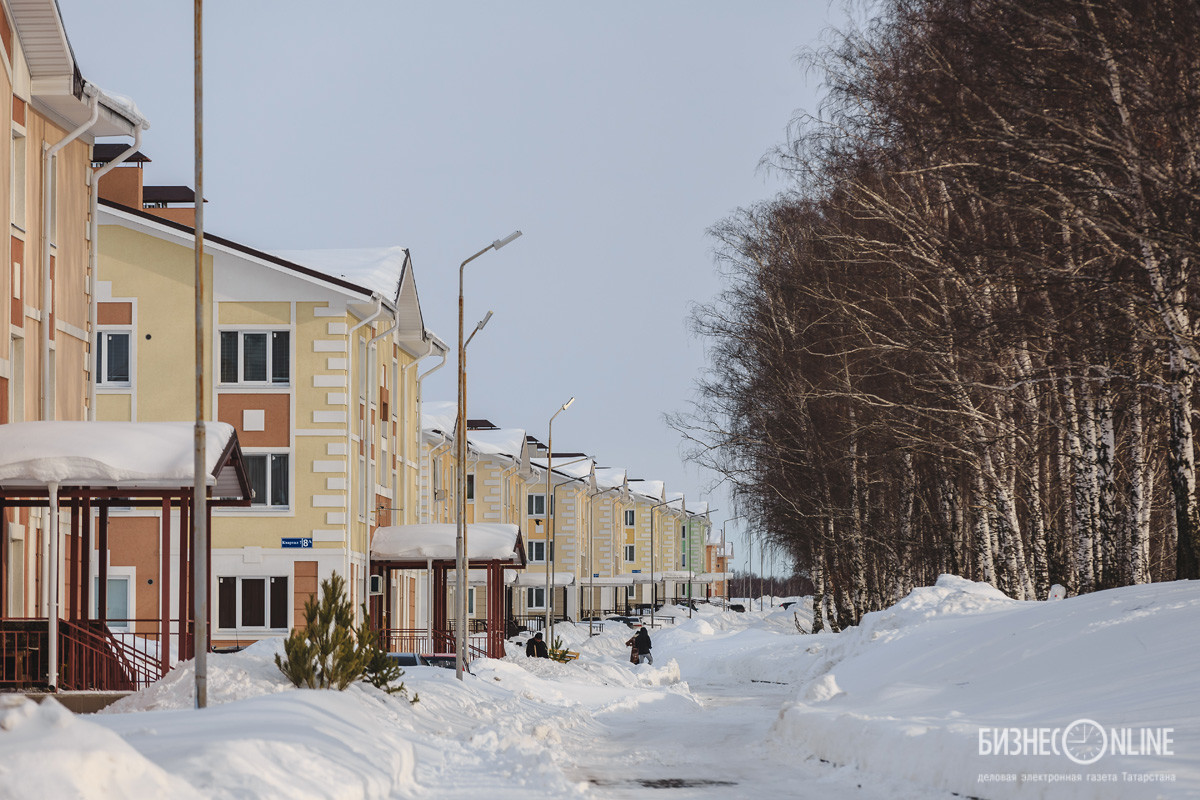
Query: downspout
x=350, y=351
x=94, y=252
x=371, y=358
x=48, y=156
x=404, y=430
x=52, y=588
x=421, y=376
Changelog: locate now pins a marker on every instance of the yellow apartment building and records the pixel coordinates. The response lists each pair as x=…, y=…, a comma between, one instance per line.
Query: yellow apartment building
x=311, y=356
x=53, y=117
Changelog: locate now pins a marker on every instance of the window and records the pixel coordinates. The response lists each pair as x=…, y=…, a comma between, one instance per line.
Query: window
x=471, y=600
x=117, y=601
x=255, y=357
x=535, y=597
x=253, y=602
x=112, y=358
x=470, y=487
x=630, y=519
x=268, y=473
x=18, y=180
x=537, y=551
x=630, y=592
x=536, y=505
x=683, y=560
x=629, y=554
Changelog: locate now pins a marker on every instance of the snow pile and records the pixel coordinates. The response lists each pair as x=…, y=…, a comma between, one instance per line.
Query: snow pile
x=898, y=707
x=926, y=690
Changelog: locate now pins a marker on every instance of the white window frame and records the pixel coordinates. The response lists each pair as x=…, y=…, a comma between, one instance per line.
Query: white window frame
x=630, y=518
x=630, y=553
x=470, y=487
x=539, y=545
x=269, y=455
x=242, y=333
x=127, y=574
x=102, y=349
x=531, y=504
x=531, y=595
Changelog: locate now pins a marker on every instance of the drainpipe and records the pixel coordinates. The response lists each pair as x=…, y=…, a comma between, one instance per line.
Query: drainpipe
x=94, y=250
x=48, y=155
x=51, y=534
x=404, y=430
x=371, y=355
x=350, y=351
x=421, y=376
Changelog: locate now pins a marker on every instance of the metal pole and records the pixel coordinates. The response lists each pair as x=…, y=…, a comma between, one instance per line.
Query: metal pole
x=549, y=499
x=460, y=500
x=200, y=489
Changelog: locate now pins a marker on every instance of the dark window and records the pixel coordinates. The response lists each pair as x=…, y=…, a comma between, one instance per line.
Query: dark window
x=254, y=357
x=112, y=358
x=280, y=357
x=470, y=487
x=229, y=356
x=254, y=602
x=227, y=603
x=268, y=474
x=279, y=602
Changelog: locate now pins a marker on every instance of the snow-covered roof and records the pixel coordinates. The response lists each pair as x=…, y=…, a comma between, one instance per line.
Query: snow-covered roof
x=608, y=580
x=485, y=541
x=502, y=441
x=439, y=415
x=673, y=575
x=379, y=269
x=610, y=477
x=131, y=455
x=577, y=468
x=651, y=489
x=710, y=577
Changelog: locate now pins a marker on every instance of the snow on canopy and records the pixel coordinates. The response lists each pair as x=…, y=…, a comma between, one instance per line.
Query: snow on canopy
x=485, y=541
x=124, y=454
x=673, y=575
x=538, y=578
x=379, y=269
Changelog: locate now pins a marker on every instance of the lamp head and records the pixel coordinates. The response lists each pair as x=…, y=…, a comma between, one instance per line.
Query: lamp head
x=567, y=404
x=501, y=242
x=483, y=322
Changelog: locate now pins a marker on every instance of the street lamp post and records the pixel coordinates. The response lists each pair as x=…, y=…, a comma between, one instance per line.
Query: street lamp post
x=725, y=559
x=460, y=502
x=549, y=499
x=653, y=583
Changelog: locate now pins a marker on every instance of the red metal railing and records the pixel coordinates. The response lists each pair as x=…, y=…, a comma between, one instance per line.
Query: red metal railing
x=419, y=640
x=90, y=655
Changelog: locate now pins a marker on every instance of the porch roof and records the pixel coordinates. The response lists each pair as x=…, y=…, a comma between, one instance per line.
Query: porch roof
x=485, y=542
x=126, y=456
x=557, y=579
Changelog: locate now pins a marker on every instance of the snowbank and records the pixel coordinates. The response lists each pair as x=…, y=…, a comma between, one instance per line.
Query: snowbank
x=926, y=690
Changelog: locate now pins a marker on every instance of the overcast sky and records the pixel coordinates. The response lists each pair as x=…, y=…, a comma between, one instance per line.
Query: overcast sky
x=612, y=134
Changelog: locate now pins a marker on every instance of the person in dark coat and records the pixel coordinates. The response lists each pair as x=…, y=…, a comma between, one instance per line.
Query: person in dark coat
x=536, y=648
x=640, y=647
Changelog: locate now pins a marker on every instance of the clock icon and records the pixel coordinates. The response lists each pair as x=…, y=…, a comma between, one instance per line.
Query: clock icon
x=1084, y=741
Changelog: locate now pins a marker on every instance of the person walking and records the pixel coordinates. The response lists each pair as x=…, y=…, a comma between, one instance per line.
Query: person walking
x=639, y=645
x=536, y=648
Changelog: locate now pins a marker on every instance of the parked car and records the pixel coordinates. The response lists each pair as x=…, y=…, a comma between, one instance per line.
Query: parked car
x=408, y=659
x=738, y=607
x=443, y=660
x=631, y=621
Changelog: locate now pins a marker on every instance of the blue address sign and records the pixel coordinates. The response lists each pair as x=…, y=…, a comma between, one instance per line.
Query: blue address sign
x=295, y=542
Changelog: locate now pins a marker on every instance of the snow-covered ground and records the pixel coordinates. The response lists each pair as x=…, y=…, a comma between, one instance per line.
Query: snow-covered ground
x=913, y=703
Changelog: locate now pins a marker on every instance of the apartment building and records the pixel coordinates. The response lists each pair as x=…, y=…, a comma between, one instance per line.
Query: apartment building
x=310, y=356
x=53, y=116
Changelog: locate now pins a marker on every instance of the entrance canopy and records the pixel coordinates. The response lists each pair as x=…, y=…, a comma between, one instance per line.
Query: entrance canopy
x=137, y=458
x=418, y=544
x=557, y=579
